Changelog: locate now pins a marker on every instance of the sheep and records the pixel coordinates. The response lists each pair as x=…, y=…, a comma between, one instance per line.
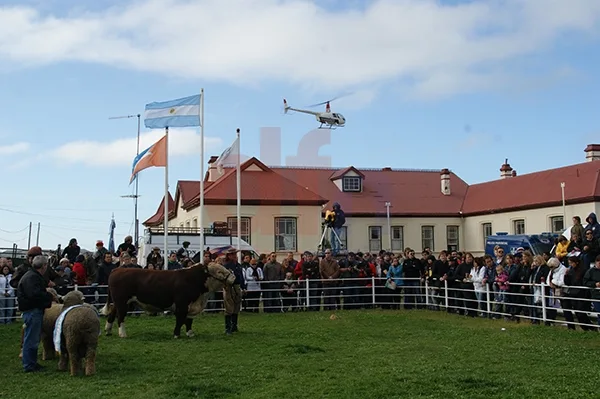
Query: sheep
x=79, y=339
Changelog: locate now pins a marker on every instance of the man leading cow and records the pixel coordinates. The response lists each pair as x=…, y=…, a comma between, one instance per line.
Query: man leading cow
x=232, y=295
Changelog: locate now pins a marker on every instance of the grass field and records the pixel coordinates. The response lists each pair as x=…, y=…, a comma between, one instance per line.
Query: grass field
x=360, y=354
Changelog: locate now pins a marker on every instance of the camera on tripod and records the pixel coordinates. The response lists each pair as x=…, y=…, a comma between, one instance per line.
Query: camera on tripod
x=329, y=219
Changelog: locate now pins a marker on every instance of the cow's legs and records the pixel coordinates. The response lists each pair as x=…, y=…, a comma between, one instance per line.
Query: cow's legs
x=188, y=327
x=121, y=312
x=180, y=318
x=110, y=319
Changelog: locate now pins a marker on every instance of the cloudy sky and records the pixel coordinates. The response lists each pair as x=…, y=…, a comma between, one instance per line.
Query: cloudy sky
x=431, y=84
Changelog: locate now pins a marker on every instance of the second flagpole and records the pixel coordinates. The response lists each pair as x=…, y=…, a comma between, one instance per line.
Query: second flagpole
x=201, y=216
x=166, y=213
x=239, y=198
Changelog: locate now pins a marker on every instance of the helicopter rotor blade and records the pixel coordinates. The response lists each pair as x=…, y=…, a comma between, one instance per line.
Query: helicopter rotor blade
x=329, y=101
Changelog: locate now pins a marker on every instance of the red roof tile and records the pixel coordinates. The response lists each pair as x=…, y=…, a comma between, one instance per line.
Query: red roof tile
x=158, y=217
x=262, y=187
x=411, y=192
x=535, y=190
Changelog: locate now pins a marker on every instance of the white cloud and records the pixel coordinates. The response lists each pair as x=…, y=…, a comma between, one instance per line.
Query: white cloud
x=122, y=151
x=439, y=48
x=16, y=148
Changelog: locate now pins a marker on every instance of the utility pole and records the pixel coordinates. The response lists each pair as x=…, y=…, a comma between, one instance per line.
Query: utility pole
x=134, y=196
x=562, y=187
x=29, y=239
x=389, y=227
x=37, y=238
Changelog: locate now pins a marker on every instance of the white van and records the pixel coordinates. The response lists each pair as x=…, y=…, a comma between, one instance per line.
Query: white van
x=213, y=238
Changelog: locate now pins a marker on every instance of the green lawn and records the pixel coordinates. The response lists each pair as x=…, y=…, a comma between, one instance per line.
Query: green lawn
x=360, y=354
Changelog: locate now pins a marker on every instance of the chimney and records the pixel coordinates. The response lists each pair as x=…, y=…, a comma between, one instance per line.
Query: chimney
x=506, y=170
x=514, y=173
x=592, y=152
x=445, y=180
x=213, y=172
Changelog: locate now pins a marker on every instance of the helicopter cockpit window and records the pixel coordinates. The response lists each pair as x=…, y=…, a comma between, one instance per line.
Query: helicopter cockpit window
x=335, y=115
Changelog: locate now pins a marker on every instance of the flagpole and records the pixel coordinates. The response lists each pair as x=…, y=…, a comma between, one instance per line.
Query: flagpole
x=201, y=217
x=166, y=216
x=239, y=198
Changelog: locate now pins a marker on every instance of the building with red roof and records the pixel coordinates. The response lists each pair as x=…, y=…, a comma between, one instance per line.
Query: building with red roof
x=282, y=207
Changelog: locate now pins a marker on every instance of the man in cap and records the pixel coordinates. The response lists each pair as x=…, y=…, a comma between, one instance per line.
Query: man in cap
x=233, y=295
x=49, y=275
x=33, y=299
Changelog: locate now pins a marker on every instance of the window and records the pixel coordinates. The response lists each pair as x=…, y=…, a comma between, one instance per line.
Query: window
x=195, y=223
x=397, y=238
x=351, y=183
x=427, y=237
x=557, y=224
x=187, y=225
x=519, y=226
x=245, y=228
x=452, y=238
x=374, y=238
x=286, y=234
x=487, y=230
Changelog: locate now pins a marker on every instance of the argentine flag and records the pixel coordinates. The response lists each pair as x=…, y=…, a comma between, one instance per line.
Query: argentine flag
x=183, y=112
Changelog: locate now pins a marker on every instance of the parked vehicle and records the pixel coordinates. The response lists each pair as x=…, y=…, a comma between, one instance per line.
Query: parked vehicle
x=536, y=243
x=214, y=237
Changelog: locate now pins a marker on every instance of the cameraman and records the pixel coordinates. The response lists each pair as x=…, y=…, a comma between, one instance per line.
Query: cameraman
x=338, y=222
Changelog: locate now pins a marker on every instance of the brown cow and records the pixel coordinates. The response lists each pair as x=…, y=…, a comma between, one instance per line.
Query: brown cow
x=178, y=290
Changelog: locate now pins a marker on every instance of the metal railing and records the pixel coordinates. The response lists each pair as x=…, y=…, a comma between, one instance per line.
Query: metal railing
x=538, y=305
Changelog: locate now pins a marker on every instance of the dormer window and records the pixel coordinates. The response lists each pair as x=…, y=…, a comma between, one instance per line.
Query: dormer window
x=351, y=184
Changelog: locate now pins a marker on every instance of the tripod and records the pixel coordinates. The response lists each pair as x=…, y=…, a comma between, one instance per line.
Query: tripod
x=330, y=229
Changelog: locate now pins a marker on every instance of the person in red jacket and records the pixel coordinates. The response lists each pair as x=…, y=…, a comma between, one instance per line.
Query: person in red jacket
x=80, y=275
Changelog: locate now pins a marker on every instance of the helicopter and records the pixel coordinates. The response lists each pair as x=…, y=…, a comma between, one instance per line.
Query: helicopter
x=330, y=120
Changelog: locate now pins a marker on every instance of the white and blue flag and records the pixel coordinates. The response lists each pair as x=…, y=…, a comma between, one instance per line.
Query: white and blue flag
x=183, y=112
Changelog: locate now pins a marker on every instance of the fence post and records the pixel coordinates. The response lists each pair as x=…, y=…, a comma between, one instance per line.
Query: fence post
x=427, y=293
x=307, y=294
x=487, y=300
x=373, y=289
x=543, y=288
x=446, y=301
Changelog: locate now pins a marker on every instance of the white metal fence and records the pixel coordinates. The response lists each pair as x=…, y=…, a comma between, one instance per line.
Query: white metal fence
x=537, y=303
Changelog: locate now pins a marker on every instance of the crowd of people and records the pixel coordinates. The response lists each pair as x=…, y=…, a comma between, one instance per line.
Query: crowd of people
x=519, y=285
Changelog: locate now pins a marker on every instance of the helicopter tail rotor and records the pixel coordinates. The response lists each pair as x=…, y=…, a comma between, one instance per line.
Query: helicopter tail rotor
x=286, y=107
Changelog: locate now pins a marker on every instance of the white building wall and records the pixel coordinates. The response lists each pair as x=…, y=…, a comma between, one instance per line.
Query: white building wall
x=358, y=232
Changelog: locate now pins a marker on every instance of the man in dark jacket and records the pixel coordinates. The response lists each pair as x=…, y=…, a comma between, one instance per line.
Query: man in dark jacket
x=593, y=225
x=33, y=299
x=413, y=271
x=338, y=223
x=591, y=279
x=233, y=295
x=311, y=272
x=72, y=250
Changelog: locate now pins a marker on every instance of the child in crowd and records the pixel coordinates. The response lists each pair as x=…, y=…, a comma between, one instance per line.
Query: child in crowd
x=288, y=292
x=501, y=284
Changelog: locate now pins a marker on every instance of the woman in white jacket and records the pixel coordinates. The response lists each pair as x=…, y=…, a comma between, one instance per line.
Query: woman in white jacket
x=478, y=274
x=556, y=278
x=253, y=275
x=7, y=296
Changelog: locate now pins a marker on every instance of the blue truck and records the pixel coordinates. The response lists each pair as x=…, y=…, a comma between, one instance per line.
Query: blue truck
x=536, y=243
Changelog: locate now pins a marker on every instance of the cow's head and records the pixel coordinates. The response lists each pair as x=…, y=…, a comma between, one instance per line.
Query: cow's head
x=218, y=277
